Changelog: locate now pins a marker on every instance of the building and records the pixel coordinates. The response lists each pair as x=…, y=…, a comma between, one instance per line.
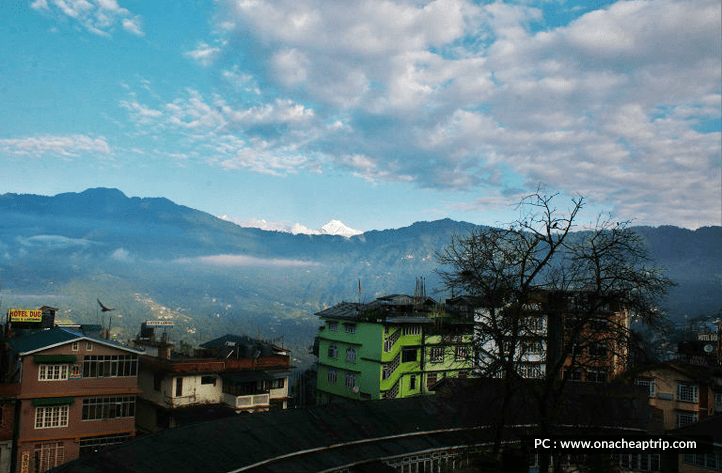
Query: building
x=700, y=462
x=8, y=400
x=76, y=394
x=394, y=347
x=228, y=375
x=681, y=394
x=556, y=329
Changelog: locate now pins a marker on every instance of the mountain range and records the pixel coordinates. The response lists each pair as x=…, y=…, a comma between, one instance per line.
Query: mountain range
x=151, y=258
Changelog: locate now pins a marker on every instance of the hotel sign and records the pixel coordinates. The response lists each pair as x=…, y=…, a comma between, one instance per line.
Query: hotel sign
x=25, y=315
x=158, y=323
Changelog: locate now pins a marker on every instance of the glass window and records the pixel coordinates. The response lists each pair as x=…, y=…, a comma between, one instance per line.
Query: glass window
x=351, y=354
x=437, y=355
x=52, y=372
x=648, y=382
x=461, y=353
x=332, y=351
x=49, y=417
x=412, y=382
x=208, y=380
x=687, y=392
x=332, y=376
x=333, y=326
x=350, y=328
x=95, y=408
x=686, y=418
x=412, y=329
x=350, y=380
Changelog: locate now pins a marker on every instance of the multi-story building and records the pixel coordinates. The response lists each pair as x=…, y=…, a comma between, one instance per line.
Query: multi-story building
x=555, y=327
x=396, y=346
x=230, y=374
x=8, y=398
x=681, y=394
x=76, y=394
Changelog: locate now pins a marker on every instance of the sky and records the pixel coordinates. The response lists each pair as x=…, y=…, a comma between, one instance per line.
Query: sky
x=375, y=113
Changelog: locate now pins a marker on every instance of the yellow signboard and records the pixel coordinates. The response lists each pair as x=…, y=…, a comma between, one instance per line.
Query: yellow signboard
x=25, y=315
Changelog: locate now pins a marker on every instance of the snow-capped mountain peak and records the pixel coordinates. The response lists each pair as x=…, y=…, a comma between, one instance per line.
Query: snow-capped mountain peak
x=337, y=227
x=334, y=227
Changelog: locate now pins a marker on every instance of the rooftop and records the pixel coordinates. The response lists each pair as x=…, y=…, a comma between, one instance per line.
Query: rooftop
x=49, y=338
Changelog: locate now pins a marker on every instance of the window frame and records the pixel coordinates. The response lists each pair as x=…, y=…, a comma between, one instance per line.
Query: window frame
x=351, y=355
x=52, y=417
x=687, y=392
x=436, y=354
x=331, y=375
x=60, y=372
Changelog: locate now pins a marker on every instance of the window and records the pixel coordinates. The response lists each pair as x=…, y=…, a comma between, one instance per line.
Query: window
x=208, y=380
x=597, y=349
x=530, y=370
x=332, y=351
x=157, y=381
x=75, y=346
x=351, y=355
x=437, y=355
x=686, y=418
x=350, y=380
x=430, y=380
x=52, y=372
x=109, y=366
x=75, y=371
x=350, y=328
x=94, y=444
x=95, y=408
x=48, y=455
x=179, y=387
x=412, y=329
x=412, y=382
x=277, y=383
x=532, y=347
x=687, y=392
x=573, y=374
x=88, y=346
x=49, y=417
x=333, y=326
x=718, y=402
x=461, y=353
x=597, y=375
x=713, y=460
x=408, y=354
x=649, y=382
x=331, y=376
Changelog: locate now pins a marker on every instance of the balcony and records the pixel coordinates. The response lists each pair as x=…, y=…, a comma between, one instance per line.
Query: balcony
x=250, y=401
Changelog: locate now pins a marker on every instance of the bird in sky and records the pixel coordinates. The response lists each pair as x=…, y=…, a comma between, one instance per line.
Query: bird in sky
x=104, y=308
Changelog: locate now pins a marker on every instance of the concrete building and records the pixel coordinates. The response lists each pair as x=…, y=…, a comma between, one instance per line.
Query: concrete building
x=553, y=327
x=76, y=394
x=228, y=375
x=394, y=347
x=681, y=394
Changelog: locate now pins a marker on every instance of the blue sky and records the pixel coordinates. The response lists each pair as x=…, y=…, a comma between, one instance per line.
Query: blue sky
x=376, y=113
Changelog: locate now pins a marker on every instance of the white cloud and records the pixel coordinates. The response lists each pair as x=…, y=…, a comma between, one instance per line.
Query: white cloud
x=62, y=145
x=230, y=261
x=204, y=54
x=97, y=16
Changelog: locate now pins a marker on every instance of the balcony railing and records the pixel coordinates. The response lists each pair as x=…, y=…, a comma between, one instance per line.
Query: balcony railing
x=389, y=342
x=248, y=401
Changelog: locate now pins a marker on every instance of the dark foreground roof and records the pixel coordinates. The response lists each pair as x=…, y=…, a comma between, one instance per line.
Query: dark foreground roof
x=325, y=437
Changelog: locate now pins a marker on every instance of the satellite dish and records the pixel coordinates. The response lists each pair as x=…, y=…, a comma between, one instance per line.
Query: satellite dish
x=355, y=389
x=709, y=348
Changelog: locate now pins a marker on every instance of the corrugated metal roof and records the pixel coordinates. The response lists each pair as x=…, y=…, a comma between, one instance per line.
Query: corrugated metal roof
x=323, y=437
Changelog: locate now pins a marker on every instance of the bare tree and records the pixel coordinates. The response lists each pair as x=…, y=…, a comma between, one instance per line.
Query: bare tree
x=538, y=271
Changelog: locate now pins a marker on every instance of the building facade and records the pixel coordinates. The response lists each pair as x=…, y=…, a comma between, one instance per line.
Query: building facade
x=394, y=347
x=682, y=394
x=556, y=329
x=228, y=375
x=77, y=394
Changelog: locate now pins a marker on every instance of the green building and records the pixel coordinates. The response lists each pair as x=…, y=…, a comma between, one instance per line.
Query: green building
x=396, y=346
